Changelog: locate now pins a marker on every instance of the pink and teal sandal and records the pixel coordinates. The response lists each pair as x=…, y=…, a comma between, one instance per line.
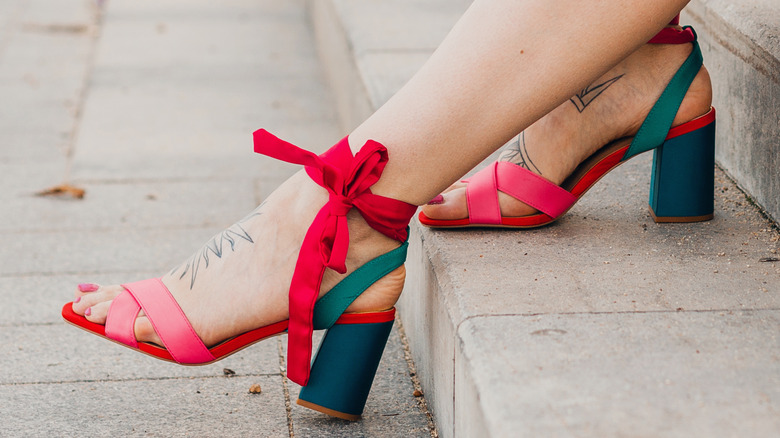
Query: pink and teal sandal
x=682, y=182
x=338, y=381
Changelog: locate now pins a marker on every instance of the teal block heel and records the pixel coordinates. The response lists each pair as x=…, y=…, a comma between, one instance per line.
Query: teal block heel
x=343, y=369
x=682, y=183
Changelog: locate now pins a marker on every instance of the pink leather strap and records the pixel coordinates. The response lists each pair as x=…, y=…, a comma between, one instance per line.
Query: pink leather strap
x=167, y=318
x=347, y=179
x=120, y=321
x=482, y=197
x=517, y=182
x=533, y=189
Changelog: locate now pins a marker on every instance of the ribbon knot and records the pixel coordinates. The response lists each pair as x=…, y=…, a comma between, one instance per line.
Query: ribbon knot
x=347, y=179
x=340, y=205
x=334, y=241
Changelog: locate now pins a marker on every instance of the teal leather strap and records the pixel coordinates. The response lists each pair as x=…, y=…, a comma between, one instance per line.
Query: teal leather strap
x=656, y=126
x=330, y=307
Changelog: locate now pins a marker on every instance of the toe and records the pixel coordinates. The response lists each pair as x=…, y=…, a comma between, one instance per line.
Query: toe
x=84, y=289
x=451, y=206
x=86, y=300
x=97, y=313
x=438, y=198
x=87, y=287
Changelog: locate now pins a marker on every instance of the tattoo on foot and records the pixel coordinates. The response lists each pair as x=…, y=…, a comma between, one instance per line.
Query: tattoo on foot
x=584, y=98
x=518, y=154
x=216, y=246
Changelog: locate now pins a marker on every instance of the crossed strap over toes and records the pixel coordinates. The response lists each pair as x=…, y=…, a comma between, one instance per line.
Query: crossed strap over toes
x=482, y=200
x=518, y=182
x=165, y=315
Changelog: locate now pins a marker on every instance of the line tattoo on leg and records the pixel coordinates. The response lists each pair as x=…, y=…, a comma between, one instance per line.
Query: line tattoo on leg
x=517, y=153
x=216, y=247
x=585, y=97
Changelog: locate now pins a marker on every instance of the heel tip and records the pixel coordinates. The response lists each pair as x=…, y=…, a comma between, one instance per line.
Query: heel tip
x=324, y=410
x=679, y=219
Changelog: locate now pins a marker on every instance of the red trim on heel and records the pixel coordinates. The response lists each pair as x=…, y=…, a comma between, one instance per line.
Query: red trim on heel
x=697, y=123
x=367, y=318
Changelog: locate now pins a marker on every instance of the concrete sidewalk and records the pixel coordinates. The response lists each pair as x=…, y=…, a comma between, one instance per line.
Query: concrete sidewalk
x=603, y=324
x=150, y=109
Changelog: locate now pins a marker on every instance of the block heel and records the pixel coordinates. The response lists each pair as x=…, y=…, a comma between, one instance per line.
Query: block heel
x=345, y=364
x=682, y=182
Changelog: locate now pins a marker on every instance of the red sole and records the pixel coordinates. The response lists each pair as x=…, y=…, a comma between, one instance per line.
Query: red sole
x=226, y=348
x=598, y=171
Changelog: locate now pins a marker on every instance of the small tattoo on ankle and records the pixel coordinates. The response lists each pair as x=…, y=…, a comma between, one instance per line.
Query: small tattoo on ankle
x=517, y=153
x=585, y=97
x=216, y=247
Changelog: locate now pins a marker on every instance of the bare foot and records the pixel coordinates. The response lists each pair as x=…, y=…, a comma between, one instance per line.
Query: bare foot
x=612, y=108
x=240, y=279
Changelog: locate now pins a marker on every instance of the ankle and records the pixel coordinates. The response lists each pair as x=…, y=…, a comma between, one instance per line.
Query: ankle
x=698, y=98
x=365, y=243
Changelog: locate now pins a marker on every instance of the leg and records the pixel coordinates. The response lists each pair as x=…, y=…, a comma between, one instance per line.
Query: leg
x=465, y=98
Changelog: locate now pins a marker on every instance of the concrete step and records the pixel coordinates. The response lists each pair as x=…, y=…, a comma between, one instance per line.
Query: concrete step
x=741, y=47
x=603, y=324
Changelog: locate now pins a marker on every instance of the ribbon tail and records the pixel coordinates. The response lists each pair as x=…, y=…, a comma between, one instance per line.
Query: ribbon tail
x=304, y=290
x=337, y=258
x=274, y=147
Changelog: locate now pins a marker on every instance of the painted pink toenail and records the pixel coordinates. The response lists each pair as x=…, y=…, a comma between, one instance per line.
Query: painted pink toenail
x=88, y=311
x=77, y=299
x=88, y=287
x=437, y=200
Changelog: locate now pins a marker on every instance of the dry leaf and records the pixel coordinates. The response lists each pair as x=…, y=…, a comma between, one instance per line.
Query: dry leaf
x=63, y=190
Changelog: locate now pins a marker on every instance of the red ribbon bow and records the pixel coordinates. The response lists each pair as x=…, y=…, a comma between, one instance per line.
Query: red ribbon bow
x=347, y=179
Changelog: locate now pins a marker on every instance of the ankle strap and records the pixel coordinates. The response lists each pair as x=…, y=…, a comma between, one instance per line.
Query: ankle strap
x=330, y=307
x=347, y=179
x=659, y=120
x=670, y=35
